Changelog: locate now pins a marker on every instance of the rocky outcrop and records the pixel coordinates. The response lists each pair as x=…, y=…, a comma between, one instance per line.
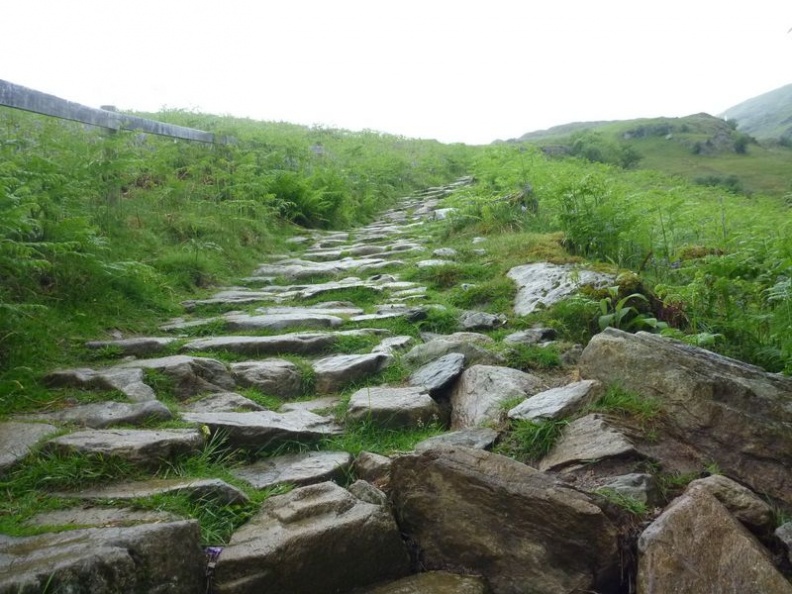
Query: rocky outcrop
x=542, y=284
x=479, y=513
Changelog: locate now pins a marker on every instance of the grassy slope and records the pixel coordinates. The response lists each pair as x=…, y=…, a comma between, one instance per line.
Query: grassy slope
x=767, y=116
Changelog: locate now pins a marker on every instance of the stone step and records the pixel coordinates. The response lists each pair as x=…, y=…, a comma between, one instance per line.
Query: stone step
x=300, y=469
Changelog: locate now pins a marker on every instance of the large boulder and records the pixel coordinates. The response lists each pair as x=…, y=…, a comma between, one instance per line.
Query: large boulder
x=475, y=512
x=162, y=558
x=318, y=538
x=697, y=547
x=731, y=413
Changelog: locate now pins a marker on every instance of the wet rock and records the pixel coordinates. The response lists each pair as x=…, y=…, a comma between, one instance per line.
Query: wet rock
x=587, y=438
x=557, y=403
x=480, y=438
x=190, y=375
x=127, y=381
x=142, y=346
x=440, y=374
x=106, y=560
x=697, y=546
x=485, y=514
x=334, y=372
x=284, y=548
x=277, y=377
x=394, y=407
x=144, y=447
x=543, y=284
x=99, y=415
x=434, y=582
x=199, y=489
x=18, y=439
x=481, y=390
x=300, y=469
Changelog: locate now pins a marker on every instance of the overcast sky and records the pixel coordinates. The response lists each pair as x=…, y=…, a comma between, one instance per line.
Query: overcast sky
x=455, y=70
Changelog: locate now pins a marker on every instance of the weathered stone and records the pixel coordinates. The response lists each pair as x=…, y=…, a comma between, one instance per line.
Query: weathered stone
x=587, y=438
x=287, y=546
x=367, y=492
x=742, y=503
x=200, y=489
x=331, y=308
x=438, y=347
x=17, y=440
x=434, y=582
x=265, y=428
x=145, y=447
x=638, y=485
x=222, y=402
x=300, y=469
x=481, y=390
x=128, y=381
x=190, y=375
x=334, y=372
x=99, y=415
x=431, y=263
x=440, y=374
x=394, y=407
x=531, y=336
x=371, y=467
x=316, y=405
x=731, y=413
x=142, y=346
x=697, y=546
x=245, y=322
x=393, y=344
x=277, y=377
x=784, y=534
x=480, y=438
x=542, y=284
x=445, y=253
x=98, y=517
x=480, y=320
x=162, y=558
x=557, y=403
x=302, y=343
x=442, y=214
x=480, y=513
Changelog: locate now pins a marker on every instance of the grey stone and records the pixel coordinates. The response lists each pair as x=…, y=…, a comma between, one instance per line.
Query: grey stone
x=479, y=240
x=697, y=546
x=367, y=492
x=434, y=349
x=727, y=412
x=431, y=263
x=784, y=534
x=200, y=489
x=481, y=390
x=127, y=381
x=145, y=447
x=98, y=517
x=542, y=284
x=440, y=374
x=394, y=407
x=142, y=346
x=325, y=403
x=299, y=469
x=277, y=377
x=245, y=322
x=334, y=372
x=256, y=430
x=445, y=253
x=480, y=320
x=531, y=336
x=745, y=505
x=285, y=547
x=393, y=344
x=332, y=308
x=18, y=439
x=99, y=415
x=442, y=214
x=222, y=402
x=480, y=513
x=302, y=343
x=480, y=438
x=434, y=582
x=161, y=558
x=587, y=438
x=190, y=375
x=371, y=467
x=638, y=485
x=557, y=403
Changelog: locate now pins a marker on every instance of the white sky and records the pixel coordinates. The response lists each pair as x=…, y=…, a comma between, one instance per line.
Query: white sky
x=452, y=70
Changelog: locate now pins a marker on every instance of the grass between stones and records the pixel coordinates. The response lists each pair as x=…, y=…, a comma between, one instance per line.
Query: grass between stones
x=367, y=436
x=528, y=441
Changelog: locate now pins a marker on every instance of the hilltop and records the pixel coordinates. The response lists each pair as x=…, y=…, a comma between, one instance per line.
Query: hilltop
x=765, y=117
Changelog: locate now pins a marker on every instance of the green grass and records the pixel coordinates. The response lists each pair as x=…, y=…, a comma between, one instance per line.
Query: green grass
x=529, y=441
x=366, y=436
x=532, y=357
x=629, y=504
x=618, y=401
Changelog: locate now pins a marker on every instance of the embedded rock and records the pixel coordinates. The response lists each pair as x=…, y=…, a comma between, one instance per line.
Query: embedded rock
x=557, y=403
x=745, y=505
x=98, y=517
x=17, y=440
x=374, y=468
x=587, y=438
x=130, y=559
x=480, y=320
x=697, y=546
x=98, y=415
x=440, y=346
x=731, y=413
x=542, y=284
x=393, y=344
x=302, y=343
x=295, y=469
x=438, y=375
x=480, y=513
x=531, y=336
x=200, y=489
x=637, y=485
x=222, y=402
x=190, y=375
x=316, y=405
x=480, y=438
x=245, y=322
x=394, y=407
x=143, y=346
x=367, y=492
x=481, y=390
x=319, y=534
x=128, y=381
x=784, y=534
x=336, y=371
x=277, y=377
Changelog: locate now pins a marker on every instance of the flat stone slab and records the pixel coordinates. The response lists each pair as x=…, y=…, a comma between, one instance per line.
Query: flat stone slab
x=99, y=517
x=277, y=377
x=434, y=582
x=453, y=343
x=543, y=284
x=557, y=403
x=98, y=415
x=313, y=405
x=480, y=320
x=222, y=402
x=587, y=438
x=127, y=381
x=245, y=322
x=146, y=447
x=334, y=372
x=394, y=407
x=327, y=309
x=141, y=346
x=17, y=439
x=531, y=336
x=440, y=374
x=479, y=438
x=215, y=489
x=191, y=375
x=431, y=263
x=393, y=344
x=255, y=430
x=303, y=343
x=296, y=469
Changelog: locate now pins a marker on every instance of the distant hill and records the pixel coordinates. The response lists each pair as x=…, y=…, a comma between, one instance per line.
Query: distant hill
x=766, y=117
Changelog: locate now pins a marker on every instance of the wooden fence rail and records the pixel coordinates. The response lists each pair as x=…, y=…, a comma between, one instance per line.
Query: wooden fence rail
x=19, y=97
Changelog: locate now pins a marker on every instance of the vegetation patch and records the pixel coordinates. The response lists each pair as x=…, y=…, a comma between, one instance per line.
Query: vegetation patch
x=618, y=401
x=529, y=441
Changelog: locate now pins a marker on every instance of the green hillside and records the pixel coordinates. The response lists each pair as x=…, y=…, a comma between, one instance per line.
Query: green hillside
x=766, y=117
